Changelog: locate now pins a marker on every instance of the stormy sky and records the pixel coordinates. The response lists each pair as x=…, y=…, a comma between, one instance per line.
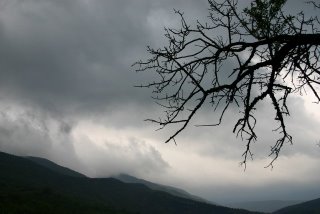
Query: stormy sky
x=66, y=94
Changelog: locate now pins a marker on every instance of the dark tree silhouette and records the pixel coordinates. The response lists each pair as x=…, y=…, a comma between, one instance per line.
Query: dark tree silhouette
x=272, y=54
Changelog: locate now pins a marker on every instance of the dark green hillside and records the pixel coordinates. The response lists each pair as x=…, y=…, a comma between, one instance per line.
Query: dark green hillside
x=39, y=201
x=28, y=187
x=309, y=207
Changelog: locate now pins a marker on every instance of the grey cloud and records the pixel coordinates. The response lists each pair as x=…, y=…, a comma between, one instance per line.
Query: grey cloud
x=222, y=142
x=30, y=133
x=59, y=55
x=75, y=54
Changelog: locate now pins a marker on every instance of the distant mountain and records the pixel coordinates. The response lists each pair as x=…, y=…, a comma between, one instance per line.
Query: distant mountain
x=55, y=167
x=122, y=177
x=169, y=189
x=28, y=187
x=263, y=206
x=309, y=207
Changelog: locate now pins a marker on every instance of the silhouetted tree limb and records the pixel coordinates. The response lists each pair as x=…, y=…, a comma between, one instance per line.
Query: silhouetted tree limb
x=272, y=55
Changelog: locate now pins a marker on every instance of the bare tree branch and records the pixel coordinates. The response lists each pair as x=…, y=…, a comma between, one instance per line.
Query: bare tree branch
x=274, y=55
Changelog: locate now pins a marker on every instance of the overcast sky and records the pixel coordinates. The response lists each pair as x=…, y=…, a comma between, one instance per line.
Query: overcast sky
x=66, y=94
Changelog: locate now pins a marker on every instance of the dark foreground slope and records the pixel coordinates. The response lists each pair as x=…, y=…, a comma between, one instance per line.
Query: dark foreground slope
x=27, y=187
x=309, y=207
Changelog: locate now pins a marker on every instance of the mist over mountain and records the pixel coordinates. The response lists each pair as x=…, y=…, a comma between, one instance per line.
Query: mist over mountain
x=169, y=189
x=263, y=206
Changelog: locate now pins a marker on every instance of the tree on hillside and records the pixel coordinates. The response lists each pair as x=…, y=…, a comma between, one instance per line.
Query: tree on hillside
x=272, y=54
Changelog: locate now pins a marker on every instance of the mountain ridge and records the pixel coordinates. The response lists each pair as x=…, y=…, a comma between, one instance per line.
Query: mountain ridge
x=28, y=187
x=310, y=207
x=155, y=186
x=54, y=166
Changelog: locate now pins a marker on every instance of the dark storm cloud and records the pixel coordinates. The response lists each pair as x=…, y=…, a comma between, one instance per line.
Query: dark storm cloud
x=75, y=54
x=60, y=54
